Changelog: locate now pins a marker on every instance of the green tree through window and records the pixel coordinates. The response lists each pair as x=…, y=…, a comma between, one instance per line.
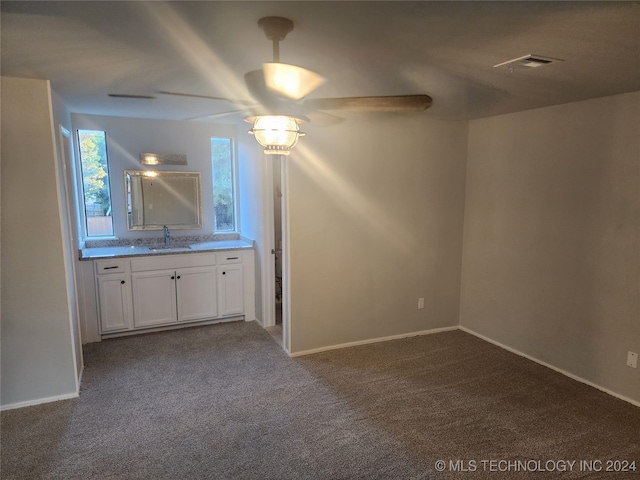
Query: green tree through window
x=223, y=184
x=95, y=182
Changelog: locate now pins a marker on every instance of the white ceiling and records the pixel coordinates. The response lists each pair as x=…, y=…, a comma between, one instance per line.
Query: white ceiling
x=444, y=49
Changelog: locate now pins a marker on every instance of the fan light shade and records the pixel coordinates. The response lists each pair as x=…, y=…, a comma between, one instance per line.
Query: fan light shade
x=291, y=81
x=278, y=134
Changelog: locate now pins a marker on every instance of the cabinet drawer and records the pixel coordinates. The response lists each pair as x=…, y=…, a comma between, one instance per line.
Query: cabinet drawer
x=172, y=262
x=117, y=265
x=227, y=258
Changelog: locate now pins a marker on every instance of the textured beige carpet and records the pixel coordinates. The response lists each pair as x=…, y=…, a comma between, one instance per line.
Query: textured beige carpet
x=225, y=402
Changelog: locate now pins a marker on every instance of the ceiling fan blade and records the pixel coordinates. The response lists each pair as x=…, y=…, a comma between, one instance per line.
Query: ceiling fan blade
x=324, y=119
x=270, y=103
x=390, y=103
x=208, y=97
x=132, y=96
x=258, y=88
x=291, y=81
x=215, y=115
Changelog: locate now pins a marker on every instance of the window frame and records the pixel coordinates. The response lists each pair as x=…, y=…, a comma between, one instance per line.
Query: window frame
x=81, y=205
x=235, y=184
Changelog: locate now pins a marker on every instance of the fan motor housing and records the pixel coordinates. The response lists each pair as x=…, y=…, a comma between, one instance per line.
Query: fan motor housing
x=275, y=28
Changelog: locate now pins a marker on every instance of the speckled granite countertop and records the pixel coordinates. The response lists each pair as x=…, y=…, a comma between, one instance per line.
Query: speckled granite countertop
x=94, y=253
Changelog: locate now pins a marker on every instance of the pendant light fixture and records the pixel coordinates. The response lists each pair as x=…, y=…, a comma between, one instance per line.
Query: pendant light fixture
x=278, y=134
x=278, y=130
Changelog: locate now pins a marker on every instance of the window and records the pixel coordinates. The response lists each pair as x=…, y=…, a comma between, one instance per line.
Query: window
x=224, y=194
x=95, y=183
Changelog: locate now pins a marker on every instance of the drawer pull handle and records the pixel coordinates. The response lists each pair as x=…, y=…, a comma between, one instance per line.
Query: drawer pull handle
x=232, y=258
x=109, y=268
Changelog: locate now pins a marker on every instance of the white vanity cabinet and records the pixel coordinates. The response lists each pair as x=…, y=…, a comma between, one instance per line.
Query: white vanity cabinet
x=114, y=295
x=169, y=290
x=155, y=298
x=169, y=296
x=196, y=293
x=174, y=288
x=230, y=291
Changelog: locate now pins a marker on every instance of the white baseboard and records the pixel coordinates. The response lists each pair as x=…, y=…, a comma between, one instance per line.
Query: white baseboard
x=467, y=330
x=372, y=340
x=166, y=328
x=38, y=401
x=258, y=321
x=79, y=382
x=545, y=364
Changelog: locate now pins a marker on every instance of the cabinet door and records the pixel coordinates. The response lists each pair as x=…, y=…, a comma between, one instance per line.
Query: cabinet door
x=196, y=292
x=154, y=298
x=230, y=293
x=114, y=293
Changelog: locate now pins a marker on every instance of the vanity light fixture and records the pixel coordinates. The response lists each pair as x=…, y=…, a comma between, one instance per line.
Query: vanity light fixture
x=162, y=159
x=278, y=134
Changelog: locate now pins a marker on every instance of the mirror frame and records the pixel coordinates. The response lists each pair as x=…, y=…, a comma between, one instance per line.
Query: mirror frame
x=166, y=174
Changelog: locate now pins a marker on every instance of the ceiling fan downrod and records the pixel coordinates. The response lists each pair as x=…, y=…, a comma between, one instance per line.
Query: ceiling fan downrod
x=276, y=30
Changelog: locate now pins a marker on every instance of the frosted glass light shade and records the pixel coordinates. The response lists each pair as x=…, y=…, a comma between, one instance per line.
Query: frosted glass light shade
x=291, y=81
x=278, y=134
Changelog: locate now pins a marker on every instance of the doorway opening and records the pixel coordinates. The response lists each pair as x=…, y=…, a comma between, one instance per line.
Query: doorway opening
x=275, y=274
x=277, y=236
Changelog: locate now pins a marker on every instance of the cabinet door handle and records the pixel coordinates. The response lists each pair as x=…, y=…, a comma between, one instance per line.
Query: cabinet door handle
x=122, y=282
x=173, y=278
x=224, y=273
x=178, y=277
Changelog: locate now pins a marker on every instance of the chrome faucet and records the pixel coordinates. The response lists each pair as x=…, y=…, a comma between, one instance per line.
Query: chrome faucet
x=167, y=236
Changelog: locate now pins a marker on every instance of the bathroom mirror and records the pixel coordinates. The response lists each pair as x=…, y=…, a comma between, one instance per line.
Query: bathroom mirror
x=158, y=198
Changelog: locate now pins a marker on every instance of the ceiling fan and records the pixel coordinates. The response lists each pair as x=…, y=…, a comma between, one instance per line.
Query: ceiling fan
x=279, y=91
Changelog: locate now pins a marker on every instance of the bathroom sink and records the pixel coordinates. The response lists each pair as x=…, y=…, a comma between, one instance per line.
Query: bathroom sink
x=170, y=248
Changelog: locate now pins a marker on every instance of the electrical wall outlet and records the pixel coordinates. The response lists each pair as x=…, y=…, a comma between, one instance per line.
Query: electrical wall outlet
x=632, y=359
x=420, y=303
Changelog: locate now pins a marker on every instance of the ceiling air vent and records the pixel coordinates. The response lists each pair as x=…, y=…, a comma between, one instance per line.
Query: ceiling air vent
x=526, y=62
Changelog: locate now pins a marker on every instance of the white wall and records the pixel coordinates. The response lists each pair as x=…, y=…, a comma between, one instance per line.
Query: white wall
x=552, y=234
x=67, y=199
x=37, y=350
x=376, y=212
x=128, y=137
x=251, y=167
